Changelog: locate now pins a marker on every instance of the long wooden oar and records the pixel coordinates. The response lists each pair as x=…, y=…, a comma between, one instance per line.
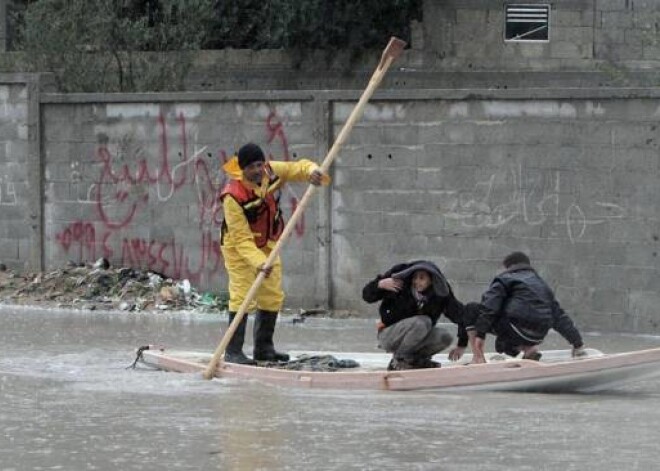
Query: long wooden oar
x=391, y=52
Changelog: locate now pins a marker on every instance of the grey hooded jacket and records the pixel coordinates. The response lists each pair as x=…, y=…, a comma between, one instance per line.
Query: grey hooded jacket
x=398, y=306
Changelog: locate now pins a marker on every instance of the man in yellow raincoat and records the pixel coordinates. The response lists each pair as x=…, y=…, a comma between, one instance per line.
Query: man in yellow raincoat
x=252, y=225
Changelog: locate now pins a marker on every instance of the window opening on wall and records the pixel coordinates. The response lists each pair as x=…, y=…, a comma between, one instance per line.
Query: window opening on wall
x=526, y=22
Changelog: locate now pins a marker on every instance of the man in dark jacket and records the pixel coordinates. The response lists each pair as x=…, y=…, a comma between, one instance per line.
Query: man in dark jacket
x=520, y=308
x=413, y=296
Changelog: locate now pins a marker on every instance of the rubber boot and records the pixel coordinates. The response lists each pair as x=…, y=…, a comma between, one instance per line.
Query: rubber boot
x=234, y=352
x=264, y=327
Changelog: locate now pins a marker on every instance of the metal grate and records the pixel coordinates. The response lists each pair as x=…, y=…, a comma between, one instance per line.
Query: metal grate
x=527, y=22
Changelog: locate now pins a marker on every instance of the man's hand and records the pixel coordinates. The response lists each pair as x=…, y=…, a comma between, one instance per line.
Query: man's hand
x=267, y=270
x=316, y=178
x=390, y=284
x=478, y=350
x=456, y=353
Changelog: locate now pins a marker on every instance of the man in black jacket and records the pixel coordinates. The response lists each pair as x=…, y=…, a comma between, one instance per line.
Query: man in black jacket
x=413, y=296
x=520, y=308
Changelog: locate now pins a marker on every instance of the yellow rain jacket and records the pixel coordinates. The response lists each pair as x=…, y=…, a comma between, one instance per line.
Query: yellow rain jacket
x=239, y=247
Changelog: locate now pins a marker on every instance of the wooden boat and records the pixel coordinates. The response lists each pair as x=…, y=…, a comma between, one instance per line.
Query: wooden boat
x=556, y=372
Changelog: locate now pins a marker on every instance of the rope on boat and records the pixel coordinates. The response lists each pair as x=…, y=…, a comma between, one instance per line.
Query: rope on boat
x=138, y=356
x=313, y=363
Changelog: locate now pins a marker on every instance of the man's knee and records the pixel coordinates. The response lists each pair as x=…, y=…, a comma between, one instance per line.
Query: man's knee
x=440, y=339
x=422, y=322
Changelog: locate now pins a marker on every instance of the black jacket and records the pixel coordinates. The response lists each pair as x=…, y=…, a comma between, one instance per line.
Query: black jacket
x=521, y=295
x=402, y=305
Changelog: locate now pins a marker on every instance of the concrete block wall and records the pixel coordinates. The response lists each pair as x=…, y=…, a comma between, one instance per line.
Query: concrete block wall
x=4, y=36
x=468, y=35
x=466, y=178
x=13, y=171
x=626, y=31
x=19, y=182
x=460, y=177
x=585, y=35
x=129, y=181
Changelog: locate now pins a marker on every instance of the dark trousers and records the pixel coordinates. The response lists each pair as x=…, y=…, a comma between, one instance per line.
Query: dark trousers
x=414, y=338
x=511, y=337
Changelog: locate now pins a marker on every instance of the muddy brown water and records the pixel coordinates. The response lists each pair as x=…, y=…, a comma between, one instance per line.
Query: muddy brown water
x=69, y=403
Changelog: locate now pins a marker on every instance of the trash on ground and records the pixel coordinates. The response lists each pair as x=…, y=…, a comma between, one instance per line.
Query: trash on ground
x=101, y=286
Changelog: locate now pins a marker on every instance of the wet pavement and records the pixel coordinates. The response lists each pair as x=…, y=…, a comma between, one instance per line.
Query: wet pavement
x=69, y=403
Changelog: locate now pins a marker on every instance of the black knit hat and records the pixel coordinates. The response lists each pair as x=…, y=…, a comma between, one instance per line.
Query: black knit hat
x=248, y=154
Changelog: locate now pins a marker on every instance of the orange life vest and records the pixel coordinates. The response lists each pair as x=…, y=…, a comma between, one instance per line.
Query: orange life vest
x=263, y=214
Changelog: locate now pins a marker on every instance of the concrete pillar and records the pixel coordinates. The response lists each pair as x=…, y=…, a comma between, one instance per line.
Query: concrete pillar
x=323, y=139
x=4, y=27
x=35, y=175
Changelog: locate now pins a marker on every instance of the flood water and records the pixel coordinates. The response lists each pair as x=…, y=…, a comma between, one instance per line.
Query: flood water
x=69, y=403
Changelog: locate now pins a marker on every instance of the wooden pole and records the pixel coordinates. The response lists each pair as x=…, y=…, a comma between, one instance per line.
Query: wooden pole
x=391, y=52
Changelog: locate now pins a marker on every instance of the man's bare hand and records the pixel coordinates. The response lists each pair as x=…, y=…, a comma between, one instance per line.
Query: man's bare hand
x=478, y=350
x=267, y=270
x=391, y=284
x=456, y=353
x=477, y=359
x=316, y=178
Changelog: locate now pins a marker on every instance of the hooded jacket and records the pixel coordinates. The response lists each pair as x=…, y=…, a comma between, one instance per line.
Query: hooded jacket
x=395, y=307
x=528, y=303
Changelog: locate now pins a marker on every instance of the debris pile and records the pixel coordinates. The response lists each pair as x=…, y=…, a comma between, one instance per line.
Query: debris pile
x=100, y=286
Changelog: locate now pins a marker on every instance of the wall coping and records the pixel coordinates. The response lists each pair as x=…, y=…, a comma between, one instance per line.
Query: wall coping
x=346, y=95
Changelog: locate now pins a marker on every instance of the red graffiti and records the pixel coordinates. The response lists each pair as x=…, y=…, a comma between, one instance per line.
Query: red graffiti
x=275, y=130
x=121, y=191
x=170, y=258
x=300, y=225
x=128, y=186
x=83, y=235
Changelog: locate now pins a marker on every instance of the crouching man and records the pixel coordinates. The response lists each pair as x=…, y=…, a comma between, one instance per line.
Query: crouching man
x=520, y=308
x=413, y=296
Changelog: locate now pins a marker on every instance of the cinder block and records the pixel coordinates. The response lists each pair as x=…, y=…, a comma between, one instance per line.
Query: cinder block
x=459, y=270
x=348, y=221
x=610, y=37
x=469, y=17
x=349, y=198
x=9, y=249
x=58, y=191
x=411, y=201
x=651, y=52
x=569, y=50
x=565, y=18
x=359, y=178
x=409, y=244
x=380, y=200
x=608, y=300
x=26, y=248
x=612, y=5
x=17, y=150
x=632, y=230
x=398, y=222
x=373, y=221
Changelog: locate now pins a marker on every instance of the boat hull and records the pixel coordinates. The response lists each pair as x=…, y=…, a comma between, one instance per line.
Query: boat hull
x=594, y=373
